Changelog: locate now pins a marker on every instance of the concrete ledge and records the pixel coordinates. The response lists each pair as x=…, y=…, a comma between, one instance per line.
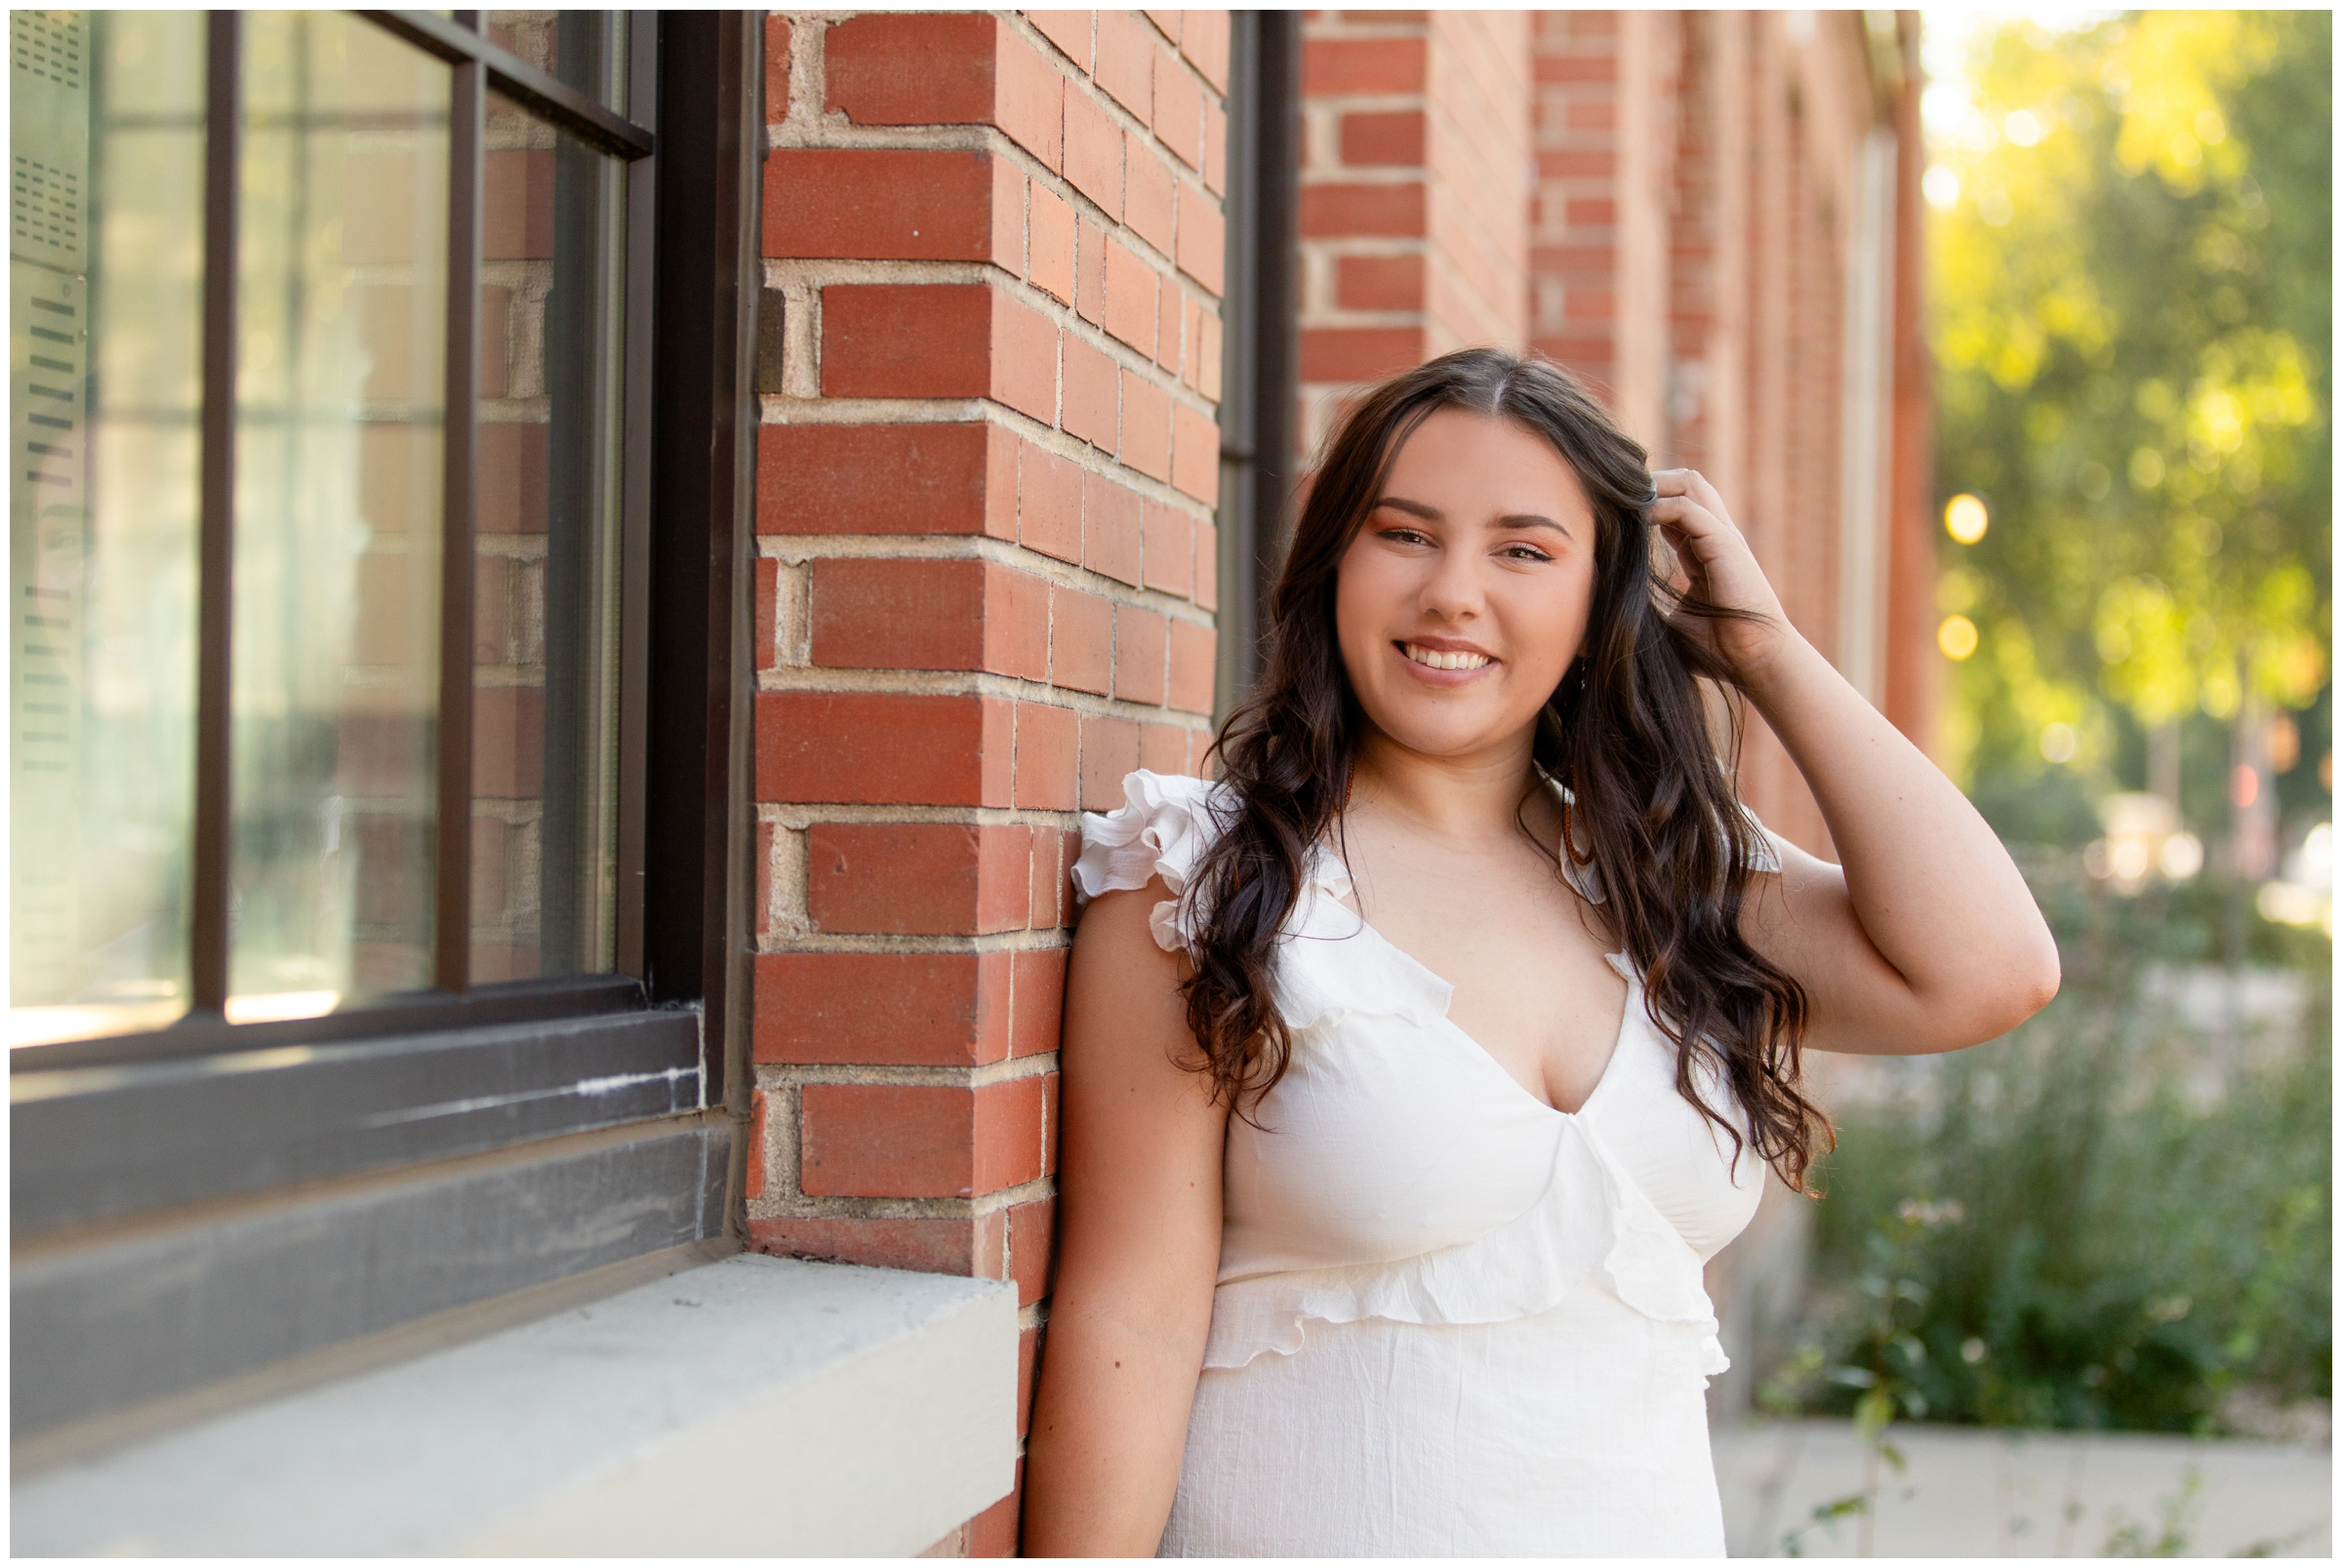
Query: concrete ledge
x=756, y=1406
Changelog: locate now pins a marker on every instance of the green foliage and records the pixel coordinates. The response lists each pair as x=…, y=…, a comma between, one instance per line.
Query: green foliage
x=2133, y=313
x=2169, y=1537
x=1882, y=1367
x=2095, y=1223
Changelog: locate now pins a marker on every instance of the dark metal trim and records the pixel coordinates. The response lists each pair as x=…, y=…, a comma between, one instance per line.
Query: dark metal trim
x=634, y=544
x=705, y=408
x=1258, y=419
x=120, y=1320
x=451, y=926
x=520, y=1000
x=215, y=613
x=534, y=90
x=143, y=1138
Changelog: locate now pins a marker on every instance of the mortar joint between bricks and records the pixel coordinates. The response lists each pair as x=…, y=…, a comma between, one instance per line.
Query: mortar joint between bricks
x=798, y=819
x=798, y=1206
x=1362, y=24
x=808, y=64
x=805, y=549
x=1347, y=174
x=965, y=683
x=974, y=1206
x=826, y=271
x=781, y=1121
x=1025, y=938
x=845, y=136
x=796, y=551
x=812, y=408
x=1327, y=112
x=883, y=1074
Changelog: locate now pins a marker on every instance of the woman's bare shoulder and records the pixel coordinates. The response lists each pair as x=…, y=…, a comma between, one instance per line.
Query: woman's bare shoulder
x=1125, y=1012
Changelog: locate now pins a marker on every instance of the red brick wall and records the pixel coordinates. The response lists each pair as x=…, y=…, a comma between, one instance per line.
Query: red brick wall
x=985, y=591
x=1413, y=230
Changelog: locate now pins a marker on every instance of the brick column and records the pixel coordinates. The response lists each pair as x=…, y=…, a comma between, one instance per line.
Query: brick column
x=1413, y=238
x=985, y=586
x=1573, y=227
x=1607, y=133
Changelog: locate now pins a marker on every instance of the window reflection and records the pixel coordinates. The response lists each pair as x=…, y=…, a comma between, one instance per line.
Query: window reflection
x=586, y=48
x=341, y=385
x=544, y=700
x=104, y=352
x=342, y=325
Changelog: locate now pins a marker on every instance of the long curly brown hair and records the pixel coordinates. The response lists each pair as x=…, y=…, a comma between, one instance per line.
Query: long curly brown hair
x=1628, y=732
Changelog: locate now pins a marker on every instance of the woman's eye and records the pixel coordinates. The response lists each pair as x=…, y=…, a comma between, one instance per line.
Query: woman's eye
x=1405, y=536
x=1525, y=553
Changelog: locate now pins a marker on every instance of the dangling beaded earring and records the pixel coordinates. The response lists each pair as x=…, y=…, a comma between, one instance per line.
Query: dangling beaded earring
x=1569, y=793
x=1570, y=830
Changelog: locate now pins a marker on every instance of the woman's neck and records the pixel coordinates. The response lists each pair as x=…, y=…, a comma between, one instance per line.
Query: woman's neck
x=1472, y=801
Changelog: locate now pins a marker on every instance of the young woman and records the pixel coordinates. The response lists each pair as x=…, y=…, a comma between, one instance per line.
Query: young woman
x=1413, y=1070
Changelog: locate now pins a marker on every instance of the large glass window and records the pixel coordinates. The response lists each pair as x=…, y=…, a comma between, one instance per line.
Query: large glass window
x=544, y=703
x=106, y=276
x=340, y=377
x=407, y=196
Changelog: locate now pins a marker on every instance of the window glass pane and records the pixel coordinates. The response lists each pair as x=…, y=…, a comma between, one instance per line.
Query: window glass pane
x=105, y=262
x=545, y=699
x=341, y=383
x=586, y=48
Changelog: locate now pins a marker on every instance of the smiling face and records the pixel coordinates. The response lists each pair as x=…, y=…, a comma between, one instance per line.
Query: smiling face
x=1467, y=591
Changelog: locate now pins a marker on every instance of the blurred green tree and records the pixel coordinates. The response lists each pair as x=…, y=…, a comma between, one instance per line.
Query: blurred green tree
x=2131, y=286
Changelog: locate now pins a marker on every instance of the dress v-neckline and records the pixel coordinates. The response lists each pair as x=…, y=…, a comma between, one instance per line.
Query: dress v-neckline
x=1609, y=1065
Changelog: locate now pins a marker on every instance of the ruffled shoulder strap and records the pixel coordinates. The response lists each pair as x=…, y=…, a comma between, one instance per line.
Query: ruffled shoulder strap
x=1163, y=828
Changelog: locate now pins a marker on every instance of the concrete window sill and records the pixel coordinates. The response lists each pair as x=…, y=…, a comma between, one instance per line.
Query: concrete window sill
x=752, y=1407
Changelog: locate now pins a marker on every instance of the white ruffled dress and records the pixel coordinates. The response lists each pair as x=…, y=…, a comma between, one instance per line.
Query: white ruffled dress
x=1450, y=1320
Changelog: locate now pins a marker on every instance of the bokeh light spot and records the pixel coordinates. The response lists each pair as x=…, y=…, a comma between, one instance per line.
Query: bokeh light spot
x=1965, y=519
x=1957, y=636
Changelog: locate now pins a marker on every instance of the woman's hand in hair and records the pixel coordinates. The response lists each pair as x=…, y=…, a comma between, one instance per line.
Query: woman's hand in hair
x=1924, y=938
x=1728, y=607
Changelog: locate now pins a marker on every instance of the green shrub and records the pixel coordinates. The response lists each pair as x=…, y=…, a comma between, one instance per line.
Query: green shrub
x=2116, y=1224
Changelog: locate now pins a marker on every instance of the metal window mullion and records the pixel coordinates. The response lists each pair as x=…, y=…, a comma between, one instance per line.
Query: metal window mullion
x=541, y=93
x=634, y=547
x=209, y=894
x=451, y=927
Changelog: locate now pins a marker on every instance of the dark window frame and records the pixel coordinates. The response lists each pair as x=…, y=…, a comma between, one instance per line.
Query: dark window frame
x=107, y=1129
x=677, y=749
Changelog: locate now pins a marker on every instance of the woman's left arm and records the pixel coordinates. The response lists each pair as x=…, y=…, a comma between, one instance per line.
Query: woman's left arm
x=1925, y=938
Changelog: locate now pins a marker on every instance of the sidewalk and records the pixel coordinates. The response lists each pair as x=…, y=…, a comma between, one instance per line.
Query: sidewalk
x=1984, y=1492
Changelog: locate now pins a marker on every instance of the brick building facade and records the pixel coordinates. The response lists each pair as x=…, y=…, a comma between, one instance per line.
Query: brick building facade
x=988, y=351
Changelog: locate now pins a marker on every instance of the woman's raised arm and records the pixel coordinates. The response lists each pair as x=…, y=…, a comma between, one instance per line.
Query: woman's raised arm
x=1925, y=938
x=1138, y=1249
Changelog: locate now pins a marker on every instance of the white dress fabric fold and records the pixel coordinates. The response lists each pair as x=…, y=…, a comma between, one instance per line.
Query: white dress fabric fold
x=1450, y=1320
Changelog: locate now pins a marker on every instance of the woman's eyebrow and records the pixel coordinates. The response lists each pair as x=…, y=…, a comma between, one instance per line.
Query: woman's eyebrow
x=1433, y=514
